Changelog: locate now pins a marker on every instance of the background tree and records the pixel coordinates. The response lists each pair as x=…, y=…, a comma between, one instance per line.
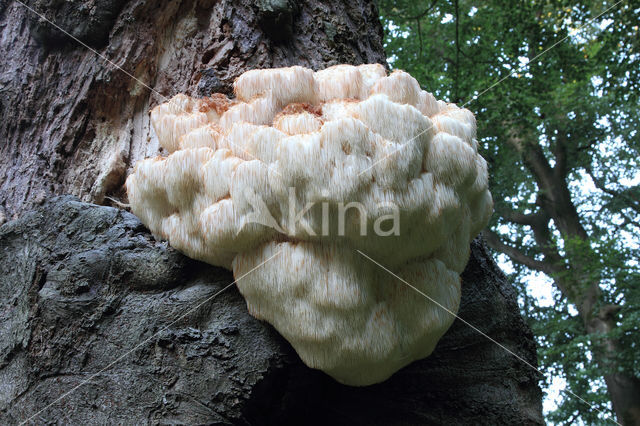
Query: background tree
x=554, y=86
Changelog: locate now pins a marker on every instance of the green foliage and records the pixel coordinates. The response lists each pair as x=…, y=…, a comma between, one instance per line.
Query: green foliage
x=557, y=75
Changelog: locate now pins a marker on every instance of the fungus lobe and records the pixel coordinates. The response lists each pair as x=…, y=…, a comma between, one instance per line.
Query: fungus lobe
x=288, y=181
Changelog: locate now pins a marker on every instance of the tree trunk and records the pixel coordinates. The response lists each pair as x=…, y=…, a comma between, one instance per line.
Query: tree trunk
x=569, y=272
x=135, y=334
x=625, y=393
x=624, y=390
x=81, y=285
x=584, y=291
x=75, y=124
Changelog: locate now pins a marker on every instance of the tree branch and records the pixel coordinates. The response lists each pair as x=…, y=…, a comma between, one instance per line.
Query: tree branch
x=631, y=203
x=520, y=218
x=554, y=196
x=532, y=156
x=560, y=153
x=495, y=242
x=609, y=311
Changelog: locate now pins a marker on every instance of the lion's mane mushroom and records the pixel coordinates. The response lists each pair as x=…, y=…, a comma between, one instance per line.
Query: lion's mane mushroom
x=292, y=142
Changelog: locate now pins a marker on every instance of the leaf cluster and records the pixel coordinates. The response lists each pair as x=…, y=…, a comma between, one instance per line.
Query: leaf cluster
x=562, y=75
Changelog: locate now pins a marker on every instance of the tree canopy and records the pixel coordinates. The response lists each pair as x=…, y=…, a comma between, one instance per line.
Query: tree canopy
x=554, y=86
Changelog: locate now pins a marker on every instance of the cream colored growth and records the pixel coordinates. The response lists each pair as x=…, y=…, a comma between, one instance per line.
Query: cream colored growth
x=344, y=134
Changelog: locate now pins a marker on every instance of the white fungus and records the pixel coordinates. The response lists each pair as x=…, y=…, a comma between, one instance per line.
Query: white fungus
x=312, y=167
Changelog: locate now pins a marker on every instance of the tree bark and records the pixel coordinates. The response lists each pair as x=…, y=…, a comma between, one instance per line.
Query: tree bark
x=139, y=334
x=624, y=389
x=81, y=284
x=75, y=124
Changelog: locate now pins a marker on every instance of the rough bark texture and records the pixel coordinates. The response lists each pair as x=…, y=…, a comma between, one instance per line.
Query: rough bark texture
x=82, y=285
x=73, y=123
